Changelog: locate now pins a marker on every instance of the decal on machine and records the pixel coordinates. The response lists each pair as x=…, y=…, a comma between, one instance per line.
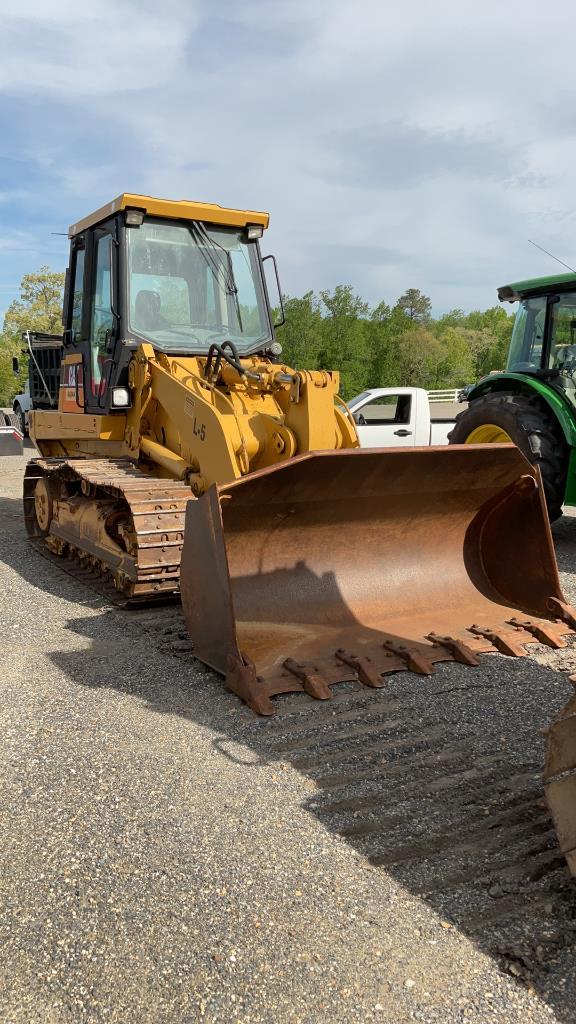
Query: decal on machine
x=71, y=387
x=72, y=376
x=198, y=429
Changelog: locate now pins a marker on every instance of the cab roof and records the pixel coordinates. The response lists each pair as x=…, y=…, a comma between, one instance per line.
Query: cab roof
x=534, y=285
x=173, y=209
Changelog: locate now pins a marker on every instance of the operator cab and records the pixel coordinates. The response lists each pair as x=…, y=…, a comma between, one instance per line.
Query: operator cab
x=181, y=276
x=544, y=336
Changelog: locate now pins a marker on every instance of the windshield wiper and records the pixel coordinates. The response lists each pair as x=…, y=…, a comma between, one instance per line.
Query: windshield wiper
x=207, y=247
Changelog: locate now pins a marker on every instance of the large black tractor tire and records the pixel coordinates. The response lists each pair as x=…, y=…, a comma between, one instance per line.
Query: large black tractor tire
x=532, y=427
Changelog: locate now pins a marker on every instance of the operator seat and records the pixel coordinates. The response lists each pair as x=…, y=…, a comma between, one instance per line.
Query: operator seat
x=147, y=315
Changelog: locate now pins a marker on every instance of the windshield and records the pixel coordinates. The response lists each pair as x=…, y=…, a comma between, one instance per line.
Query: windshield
x=192, y=284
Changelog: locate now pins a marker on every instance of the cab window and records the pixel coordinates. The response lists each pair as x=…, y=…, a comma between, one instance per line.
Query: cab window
x=102, y=321
x=77, y=292
x=528, y=335
x=563, y=332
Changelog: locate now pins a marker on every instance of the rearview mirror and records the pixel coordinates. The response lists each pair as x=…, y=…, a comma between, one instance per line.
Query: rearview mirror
x=277, y=281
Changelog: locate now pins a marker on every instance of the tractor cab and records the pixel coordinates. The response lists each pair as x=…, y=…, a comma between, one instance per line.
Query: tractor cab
x=544, y=336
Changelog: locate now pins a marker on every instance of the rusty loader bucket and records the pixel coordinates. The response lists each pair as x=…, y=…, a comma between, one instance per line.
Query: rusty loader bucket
x=560, y=780
x=348, y=565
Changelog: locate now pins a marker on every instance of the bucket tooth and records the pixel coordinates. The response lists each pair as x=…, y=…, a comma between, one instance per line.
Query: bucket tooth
x=502, y=639
x=563, y=611
x=412, y=656
x=457, y=648
x=242, y=680
x=541, y=631
x=368, y=675
x=311, y=678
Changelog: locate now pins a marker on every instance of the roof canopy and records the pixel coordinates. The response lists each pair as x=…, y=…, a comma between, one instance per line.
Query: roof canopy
x=513, y=292
x=173, y=209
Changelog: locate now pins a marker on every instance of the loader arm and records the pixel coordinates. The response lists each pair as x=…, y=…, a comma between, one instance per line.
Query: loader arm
x=216, y=431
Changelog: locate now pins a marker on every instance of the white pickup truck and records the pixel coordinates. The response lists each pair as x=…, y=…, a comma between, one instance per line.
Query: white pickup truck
x=11, y=439
x=21, y=407
x=402, y=417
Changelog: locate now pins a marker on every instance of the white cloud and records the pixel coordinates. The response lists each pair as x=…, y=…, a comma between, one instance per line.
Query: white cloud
x=69, y=50
x=438, y=135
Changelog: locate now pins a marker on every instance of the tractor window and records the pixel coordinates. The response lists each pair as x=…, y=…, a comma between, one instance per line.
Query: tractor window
x=528, y=335
x=102, y=323
x=563, y=334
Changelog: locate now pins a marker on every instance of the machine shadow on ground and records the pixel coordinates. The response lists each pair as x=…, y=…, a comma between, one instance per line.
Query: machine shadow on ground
x=435, y=780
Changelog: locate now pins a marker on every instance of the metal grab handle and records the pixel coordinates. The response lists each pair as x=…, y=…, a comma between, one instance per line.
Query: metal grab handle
x=40, y=374
x=402, y=433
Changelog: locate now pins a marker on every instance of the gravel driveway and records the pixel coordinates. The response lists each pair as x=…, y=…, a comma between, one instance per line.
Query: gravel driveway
x=167, y=858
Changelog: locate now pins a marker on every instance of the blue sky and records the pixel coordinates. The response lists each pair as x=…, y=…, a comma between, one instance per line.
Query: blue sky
x=395, y=145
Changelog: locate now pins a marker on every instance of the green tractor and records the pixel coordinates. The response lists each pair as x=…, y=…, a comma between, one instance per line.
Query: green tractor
x=533, y=401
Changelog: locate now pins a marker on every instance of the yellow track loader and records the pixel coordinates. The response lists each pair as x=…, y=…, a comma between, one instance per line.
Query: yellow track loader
x=180, y=455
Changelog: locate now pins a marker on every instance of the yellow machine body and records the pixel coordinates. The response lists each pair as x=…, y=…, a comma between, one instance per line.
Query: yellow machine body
x=187, y=428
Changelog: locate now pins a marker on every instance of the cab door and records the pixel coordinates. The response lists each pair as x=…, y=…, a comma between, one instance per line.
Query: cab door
x=91, y=323
x=71, y=390
x=98, y=354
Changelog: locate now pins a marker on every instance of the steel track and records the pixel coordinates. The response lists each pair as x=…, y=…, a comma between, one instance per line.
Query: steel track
x=153, y=508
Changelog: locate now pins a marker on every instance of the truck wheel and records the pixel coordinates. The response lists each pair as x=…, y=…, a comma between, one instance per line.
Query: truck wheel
x=20, y=420
x=524, y=420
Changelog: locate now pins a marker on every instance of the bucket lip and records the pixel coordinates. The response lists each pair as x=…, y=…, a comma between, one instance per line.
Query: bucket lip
x=441, y=451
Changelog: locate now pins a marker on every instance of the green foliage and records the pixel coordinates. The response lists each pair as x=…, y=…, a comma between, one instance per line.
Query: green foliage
x=301, y=335
x=39, y=308
x=344, y=341
x=416, y=306
x=392, y=345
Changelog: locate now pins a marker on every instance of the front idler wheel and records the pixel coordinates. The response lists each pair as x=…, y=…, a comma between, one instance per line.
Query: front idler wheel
x=42, y=511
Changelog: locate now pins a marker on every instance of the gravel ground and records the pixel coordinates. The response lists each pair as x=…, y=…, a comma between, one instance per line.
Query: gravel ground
x=162, y=862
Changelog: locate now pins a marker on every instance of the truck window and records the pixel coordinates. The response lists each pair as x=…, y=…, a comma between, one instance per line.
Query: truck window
x=387, y=409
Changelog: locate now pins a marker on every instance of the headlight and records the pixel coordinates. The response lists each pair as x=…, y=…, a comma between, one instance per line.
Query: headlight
x=121, y=398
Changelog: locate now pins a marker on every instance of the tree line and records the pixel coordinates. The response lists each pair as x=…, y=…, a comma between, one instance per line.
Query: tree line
x=39, y=308
x=372, y=346
x=399, y=345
